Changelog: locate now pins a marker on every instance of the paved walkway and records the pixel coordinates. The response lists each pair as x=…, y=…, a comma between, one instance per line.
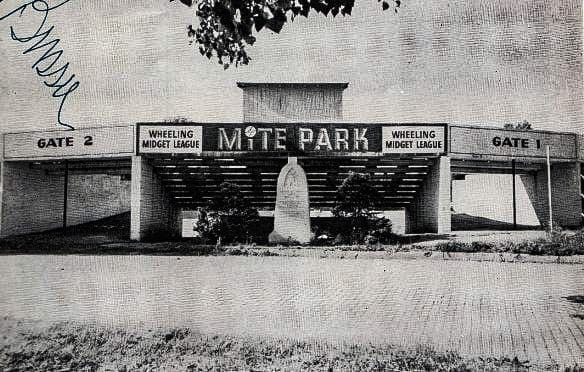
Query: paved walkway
x=527, y=310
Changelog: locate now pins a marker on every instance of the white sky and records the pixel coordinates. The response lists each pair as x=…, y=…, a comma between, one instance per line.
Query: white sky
x=462, y=61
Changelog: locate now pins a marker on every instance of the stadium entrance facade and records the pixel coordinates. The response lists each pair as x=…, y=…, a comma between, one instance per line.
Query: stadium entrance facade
x=162, y=172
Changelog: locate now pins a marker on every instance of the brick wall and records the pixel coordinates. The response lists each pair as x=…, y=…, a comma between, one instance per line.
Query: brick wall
x=92, y=197
x=32, y=200
x=430, y=211
x=292, y=103
x=566, y=201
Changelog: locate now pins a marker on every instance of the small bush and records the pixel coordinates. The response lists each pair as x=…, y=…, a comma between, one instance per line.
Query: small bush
x=379, y=231
x=229, y=217
x=373, y=230
x=555, y=244
x=474, y=247
x=354, y=210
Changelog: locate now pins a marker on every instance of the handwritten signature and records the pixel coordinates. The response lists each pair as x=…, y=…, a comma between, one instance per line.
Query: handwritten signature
x=45, y=64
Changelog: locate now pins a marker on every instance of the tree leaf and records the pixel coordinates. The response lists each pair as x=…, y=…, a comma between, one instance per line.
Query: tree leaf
x=260, y=22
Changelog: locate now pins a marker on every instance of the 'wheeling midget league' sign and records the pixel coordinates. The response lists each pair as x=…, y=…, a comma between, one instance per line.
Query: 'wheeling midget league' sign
x=170, y=139
x=413, y=139
x=297, y=138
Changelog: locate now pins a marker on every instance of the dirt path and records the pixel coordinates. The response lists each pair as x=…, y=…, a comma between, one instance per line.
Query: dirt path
x=531, y=311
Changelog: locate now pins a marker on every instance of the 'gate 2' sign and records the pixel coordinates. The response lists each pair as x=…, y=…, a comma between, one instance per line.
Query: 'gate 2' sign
x=82, y=143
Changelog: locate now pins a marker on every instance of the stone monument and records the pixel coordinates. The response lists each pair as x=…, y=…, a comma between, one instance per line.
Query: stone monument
x=292, y=212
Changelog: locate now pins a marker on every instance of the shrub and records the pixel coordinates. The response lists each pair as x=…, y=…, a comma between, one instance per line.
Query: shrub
x=357, y=222
x=380, y=231
x=229, y=217
x=474, y=247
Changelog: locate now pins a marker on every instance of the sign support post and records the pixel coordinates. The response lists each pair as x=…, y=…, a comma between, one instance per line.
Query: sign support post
x=549, y=186
x=65, y=196
x=514, y=196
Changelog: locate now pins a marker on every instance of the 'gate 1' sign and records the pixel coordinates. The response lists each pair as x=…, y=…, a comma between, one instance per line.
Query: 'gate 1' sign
x=170, y=139
x=511, y=143
x=82, y=142
x=403, y=139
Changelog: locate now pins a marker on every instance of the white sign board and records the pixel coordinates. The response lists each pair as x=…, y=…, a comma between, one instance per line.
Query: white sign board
x=404, y=139
x=511, y=143
x=76, y=143
x=189, y=228
x=170, y=139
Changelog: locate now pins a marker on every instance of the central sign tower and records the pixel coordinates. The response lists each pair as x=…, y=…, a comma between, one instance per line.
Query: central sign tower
x=291, y=153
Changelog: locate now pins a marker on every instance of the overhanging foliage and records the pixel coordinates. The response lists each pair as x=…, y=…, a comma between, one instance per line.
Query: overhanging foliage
x=226, y=27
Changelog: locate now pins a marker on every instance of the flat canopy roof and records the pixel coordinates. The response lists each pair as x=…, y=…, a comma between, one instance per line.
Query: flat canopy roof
x=193, y=159
x=242, y=84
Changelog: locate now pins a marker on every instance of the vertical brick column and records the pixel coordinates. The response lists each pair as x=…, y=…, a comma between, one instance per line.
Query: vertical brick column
x=152, y=214
x=430, y=210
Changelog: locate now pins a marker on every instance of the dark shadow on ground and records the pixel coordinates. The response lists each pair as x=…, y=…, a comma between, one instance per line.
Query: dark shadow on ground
x=74, y=239
x=112, y=236
x=463, y=221
x=577, y=299
x=418, y=238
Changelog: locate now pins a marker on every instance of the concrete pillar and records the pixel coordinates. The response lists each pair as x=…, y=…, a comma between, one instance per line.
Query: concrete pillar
x=152, y=214
x=566, y=199
x=430, y=210
x=31, y=199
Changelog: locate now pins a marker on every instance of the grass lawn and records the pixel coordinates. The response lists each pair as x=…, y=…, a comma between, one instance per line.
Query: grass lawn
x=72, y=347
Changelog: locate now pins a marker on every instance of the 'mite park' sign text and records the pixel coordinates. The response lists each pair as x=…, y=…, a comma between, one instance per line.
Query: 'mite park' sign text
x=297, y=138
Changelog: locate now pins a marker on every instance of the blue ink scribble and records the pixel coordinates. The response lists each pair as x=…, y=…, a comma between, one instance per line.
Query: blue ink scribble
x=45, y=64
